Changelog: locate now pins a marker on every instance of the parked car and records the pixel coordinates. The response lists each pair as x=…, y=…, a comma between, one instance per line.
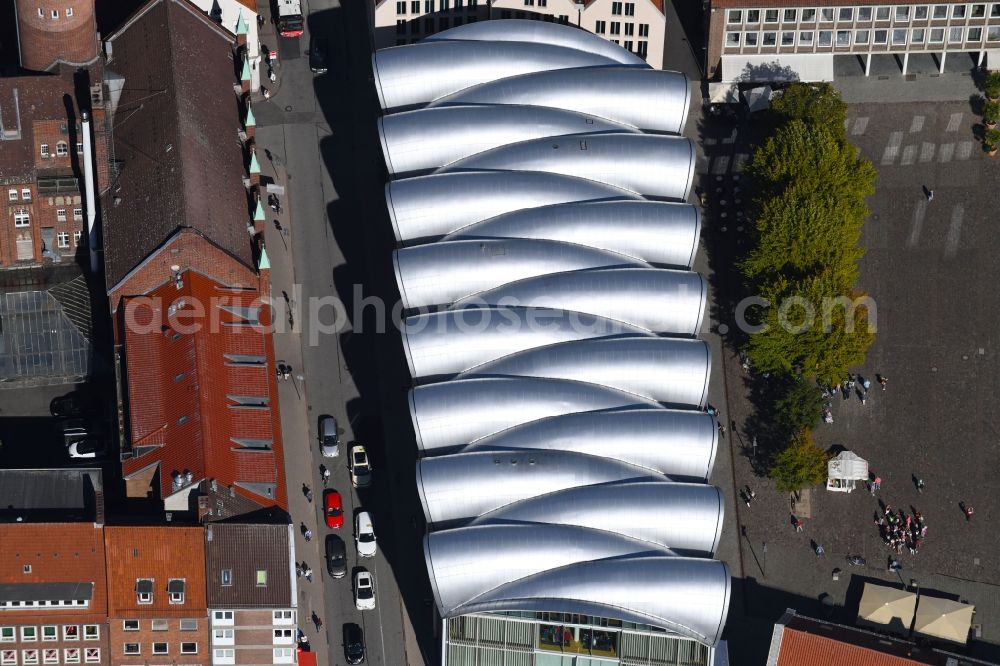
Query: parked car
x=329, y=437
x=87, y=447
x=336, y=556
x=333, y=509
x=73, y=429
x=354, y=644
x=364, y=590
x=73, y=404
x=319, y=50
x=364, y=534
x=361, y=469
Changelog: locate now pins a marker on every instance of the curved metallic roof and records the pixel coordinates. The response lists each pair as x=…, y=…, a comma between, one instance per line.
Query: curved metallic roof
x=659, y=232
x=457, y=412
x=687, y=596
x=427, y=139
x=678, y=443
x=442, y=273
x=463, y=486
x=420, y=73
x=670, y=371
x=650, y=165
x=660, y=300
x=432, y=206
x=650, y=99
x=448, y=342
x=685, y=517
x=467, y=562
x=540, y=32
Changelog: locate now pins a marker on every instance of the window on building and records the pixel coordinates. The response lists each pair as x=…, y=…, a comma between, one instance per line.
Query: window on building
x=130, y=625
x=132, y=648
x=753, y=16
x=600, y=27
x=55, y=13
x=826, y=14
x=91, y=632
x=445, y=5
x=45, y=150
x=958, y=11
x=29, y=657
x=261, y=578
x=144, y=590
x=882, y=14
x=284, y=617
x=428, y=6
x=400, y=29
x=62, y=149
x=789, y=15
x=788, y=38
x=76, y=238
x=825, y=37
x=734, y=16
x=770, y=16
x=401, y=7
x=21, y=219
x=225, y=616
x=629, y=9
x=69, y=12
x=223, y=634
x=224, y=656
x=881, y=36
x=642, y=49
x=26, y=193
x=993, y=33
x=92, y=655
x=8, y=634
x=995, y=11
x=159, y=625
x=864, y=14
x=61, y=215
x=71, y=632
x=8, y=657
x=845, y=14
x=159, y=648
x=749, y=39
x=861, y=36
x=616, y=28
x=920, y=13
x=541, y=3
x=12, y=195
x=50, y=656
x=644, y=30
x=902, y=14
x=529, y=3
x=956, y=35
x=937, y=35
x=79, y=148
x=282, y=635
x=189, y=625
x=71, y=655
x=428, y=25
x=628, y=47
x=175, y=588
x=770, y=38
x=940, y=11
x=899, y=36
x=808, y=16
x=975, y=35
x=227, y=577
x=41, y=13
x=77, y=213
x=917, y=36
x=978, y=11
x=189, y=648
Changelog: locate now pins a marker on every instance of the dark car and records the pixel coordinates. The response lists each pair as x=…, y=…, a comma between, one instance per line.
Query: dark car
x=336, y=556
x=354, y=644
x=319, y=50
x=73, y=404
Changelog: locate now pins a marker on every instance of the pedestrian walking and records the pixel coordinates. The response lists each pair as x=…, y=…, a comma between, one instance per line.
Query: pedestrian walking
x=307, y=491
x=317, y=621
x=819, y=550
x=919, y=483
x=867, y=383
x=968, y=510
x=882, y=380
x=799, y=524
x=271, y=75
x=308, y=573
x=878, y=483
x=298, y=570
x=308, y=534
x=265, y=92
x=288, y=368
x=930, y=195
x=324, y=472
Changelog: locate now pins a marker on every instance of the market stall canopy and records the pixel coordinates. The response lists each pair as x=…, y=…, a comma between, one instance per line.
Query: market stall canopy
x=848, y=466
x=887, y=606
x=944, y=618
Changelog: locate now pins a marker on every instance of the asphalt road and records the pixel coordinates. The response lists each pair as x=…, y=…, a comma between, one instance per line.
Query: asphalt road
x=320, y=132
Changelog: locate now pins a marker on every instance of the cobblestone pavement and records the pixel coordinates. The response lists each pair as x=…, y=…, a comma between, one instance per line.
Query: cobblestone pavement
x=930, y=269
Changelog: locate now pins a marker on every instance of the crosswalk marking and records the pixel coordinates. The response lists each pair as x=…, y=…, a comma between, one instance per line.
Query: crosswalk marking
x=954, y=231
x=927, y=151
x=892, y=150
x=918, y=223
x=964, y=150
x=953, y=122
x=720, y=165
x=917, y=124
x=946, y=152
x=860, y=125
x=909, y=155
x=739, y=159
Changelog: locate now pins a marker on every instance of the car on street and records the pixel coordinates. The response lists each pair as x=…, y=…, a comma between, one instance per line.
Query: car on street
x=336, y=556
x=333, y=509
x=361, y=469
x=329, y=437
x=73, y=404
x=319, y=50
x=364, y=590
x=354, y=644
x=87, y=447
x=73, y=429
x=364, y=534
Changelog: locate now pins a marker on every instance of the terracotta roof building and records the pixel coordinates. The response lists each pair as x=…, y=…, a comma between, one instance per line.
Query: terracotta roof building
x=157, y=610
x=251, y=601
x=53, y=595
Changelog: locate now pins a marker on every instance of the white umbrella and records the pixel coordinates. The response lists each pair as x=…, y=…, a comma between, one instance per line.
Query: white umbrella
x=944, y=618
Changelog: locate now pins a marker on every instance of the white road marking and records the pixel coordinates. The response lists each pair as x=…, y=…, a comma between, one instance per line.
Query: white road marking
x=892, y=150
x=964, y=151
x=909, y=155
x=954, y=231
x=946, y=152
x=720, y=164
x=847, y=124
x=953, y=122
x=860, y=125
x=927, y=151
x=739, y=160
x=378, y=607
x=709, y=141
x=918, y=223
x=917, y=124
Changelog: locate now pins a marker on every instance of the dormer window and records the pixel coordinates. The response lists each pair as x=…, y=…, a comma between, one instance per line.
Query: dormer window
x=175, y=588
x=144, y=590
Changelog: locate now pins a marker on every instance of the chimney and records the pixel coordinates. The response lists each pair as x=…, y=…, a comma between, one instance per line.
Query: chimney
x=91, y=193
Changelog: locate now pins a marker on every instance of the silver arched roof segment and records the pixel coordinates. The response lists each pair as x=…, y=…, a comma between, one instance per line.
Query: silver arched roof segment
x=448, y=342
x=649, y=165
x=457, y=412
x=658, y=232
x=650, y=99
x=426, y=139
x=426, y=207
x=442, y=273
x=668, y=370
x=463, y=486
x=678, y=443
x=539, y=32
x=467, y=562
x=686, y=596
x=417, y=74
x=685, y=517
x=660, y=300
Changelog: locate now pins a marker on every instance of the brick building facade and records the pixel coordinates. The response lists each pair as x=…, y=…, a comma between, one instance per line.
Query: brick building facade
x=49, y=32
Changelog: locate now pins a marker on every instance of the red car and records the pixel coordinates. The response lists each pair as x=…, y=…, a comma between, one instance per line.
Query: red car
x=333, y=509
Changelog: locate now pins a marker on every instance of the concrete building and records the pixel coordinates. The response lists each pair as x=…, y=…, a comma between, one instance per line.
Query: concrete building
x=780, y=41
x=251, y=601
x=157, y=612
x=637, y=25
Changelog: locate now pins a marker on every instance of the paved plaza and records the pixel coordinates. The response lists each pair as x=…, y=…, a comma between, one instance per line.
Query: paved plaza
x=930, y=268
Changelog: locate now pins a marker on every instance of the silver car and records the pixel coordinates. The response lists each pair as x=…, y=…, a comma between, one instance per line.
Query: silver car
x=329, y=437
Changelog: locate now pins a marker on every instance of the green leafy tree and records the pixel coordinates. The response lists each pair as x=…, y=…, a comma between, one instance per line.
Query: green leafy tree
x=813, y=103
x=800, y=465
x=797, y=407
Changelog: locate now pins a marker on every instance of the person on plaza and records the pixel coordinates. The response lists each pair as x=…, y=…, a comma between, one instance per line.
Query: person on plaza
x=271, y=75
x=324, y=471
x=799, y=524
x=930, y=195
x=968, y=510
x=878, y=483
x=317, y=621
x=745, y=498
x=920, y=485
x=298, y=570
x=307, y=491
x=883, y=380
x=308, y=573
x=308, y=534
x=265, y=92
x=865, y=382
x=819, y=550
x=751, y=494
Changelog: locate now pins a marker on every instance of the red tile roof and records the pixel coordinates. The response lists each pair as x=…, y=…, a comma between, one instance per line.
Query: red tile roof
x=159, y=553
x=809, y=642
x=57, y=553
x=185, y=383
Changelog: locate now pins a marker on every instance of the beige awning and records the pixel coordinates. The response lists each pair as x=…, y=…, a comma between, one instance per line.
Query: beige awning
x=944, y=618
x=887, y=606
